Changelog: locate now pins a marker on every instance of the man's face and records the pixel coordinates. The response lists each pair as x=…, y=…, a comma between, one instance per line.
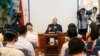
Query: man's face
x=29, y=27
x=94, y=11
x=82, y=12
x=54, y=20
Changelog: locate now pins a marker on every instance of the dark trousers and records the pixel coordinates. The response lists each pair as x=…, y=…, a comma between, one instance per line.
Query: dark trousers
x=83, y=33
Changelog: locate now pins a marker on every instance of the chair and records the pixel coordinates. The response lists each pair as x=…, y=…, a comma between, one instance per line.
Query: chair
x=95, y=50
x=89, y=47
x=66, y=52
x=26, y=52
x=34, y=46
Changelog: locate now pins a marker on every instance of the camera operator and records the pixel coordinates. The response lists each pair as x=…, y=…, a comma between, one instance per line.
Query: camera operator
x=16, y=20
x=94, y=15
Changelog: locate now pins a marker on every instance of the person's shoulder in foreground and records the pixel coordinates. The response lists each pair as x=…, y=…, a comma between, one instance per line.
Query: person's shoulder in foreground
x=4, y=51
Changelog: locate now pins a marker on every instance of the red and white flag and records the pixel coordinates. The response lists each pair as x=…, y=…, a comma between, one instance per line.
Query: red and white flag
x=21, y=10
x=23, y=7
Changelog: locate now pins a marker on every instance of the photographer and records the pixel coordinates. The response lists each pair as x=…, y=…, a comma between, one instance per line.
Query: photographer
x=94, y=15
x=15, y=21
x=82, y=23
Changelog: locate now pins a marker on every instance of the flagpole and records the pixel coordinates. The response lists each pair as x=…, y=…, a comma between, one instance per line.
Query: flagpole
x=29, y=10
x=77, y=4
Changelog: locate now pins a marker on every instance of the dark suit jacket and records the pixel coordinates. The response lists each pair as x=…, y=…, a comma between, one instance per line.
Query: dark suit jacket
x=54, y=28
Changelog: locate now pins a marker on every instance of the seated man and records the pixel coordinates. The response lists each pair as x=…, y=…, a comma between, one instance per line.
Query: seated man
x=22, y=43
x=31, y=37
x=71, y=33
x=76, y=47
x=54, y=27
x=7, y=47
x=10, y=37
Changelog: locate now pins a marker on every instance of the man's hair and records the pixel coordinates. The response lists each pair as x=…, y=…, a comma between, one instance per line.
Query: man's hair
x=94, y=34
x=7, y=26
x=29, y=24
x=22, y=30
x=72, y=25
x=9, y=35
x=93, y=25
x=76, y=46
x=72, y=32
x=95, y=8
x=83, y=9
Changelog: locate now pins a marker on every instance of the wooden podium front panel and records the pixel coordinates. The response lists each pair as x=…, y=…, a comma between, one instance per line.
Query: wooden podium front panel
x=41, y=42
x=43, y=39
x=61, y=40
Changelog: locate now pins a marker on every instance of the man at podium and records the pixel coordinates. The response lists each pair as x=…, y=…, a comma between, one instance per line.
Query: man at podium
x=54, y=27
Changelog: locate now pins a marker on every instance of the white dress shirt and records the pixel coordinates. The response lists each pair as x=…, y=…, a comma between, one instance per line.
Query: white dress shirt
x=33, y=38
x=89, y=29
x=93, y=17
x=64, y=47
x=84, y=22
x=22, y=43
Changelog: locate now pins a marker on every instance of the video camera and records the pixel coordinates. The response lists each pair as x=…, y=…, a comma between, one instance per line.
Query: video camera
x=98, y=17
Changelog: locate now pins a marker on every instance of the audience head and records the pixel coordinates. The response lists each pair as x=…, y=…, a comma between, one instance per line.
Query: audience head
x=7, y=26
x=72, y=33
x=54, y=21
x=29, y=27
x=10, y=36
x=76, y=46
x=93, y=25
x=22, y=30
x=94, y=10
x=94, y=34
x=72, y=30
x=72, y=25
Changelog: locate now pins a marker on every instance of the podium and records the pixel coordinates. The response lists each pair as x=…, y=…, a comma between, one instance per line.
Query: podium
x=50, y=44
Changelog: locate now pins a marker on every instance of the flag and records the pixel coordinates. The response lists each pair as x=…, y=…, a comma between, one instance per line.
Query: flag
x=22, y=17
x=11, y=9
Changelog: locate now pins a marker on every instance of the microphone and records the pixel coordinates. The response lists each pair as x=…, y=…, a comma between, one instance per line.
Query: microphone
x=49, y=29
x=55, y=27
